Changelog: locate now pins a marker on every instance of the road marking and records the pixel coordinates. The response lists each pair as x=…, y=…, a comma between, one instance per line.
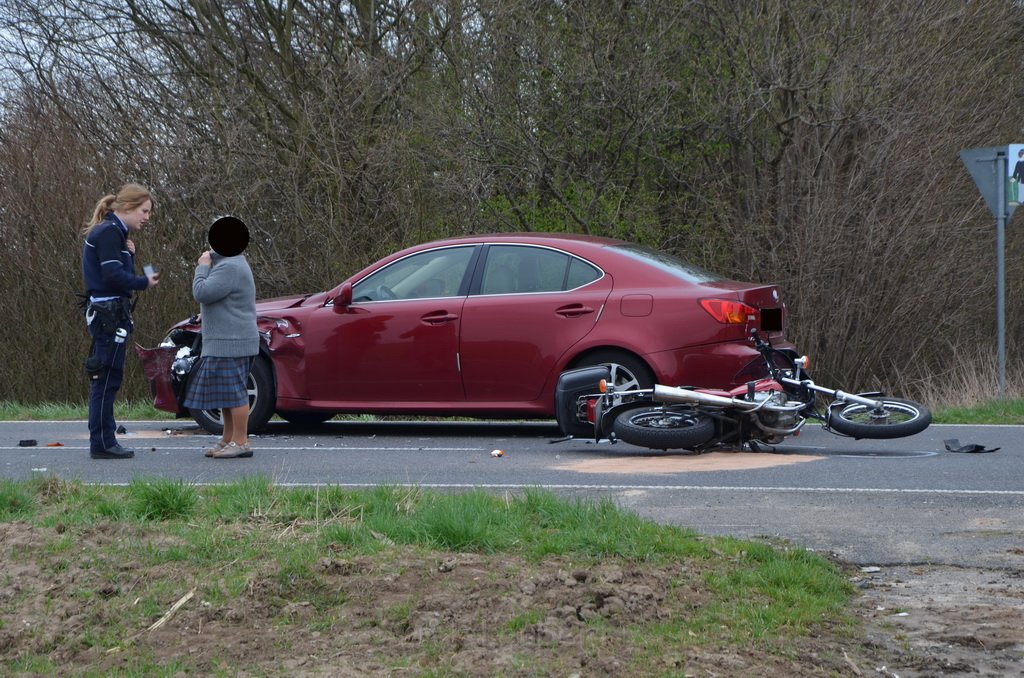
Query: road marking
x=550, y=486
x=192, y=448
x=723, y=488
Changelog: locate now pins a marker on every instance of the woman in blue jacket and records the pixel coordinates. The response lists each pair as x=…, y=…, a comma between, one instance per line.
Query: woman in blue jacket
x=108, y=267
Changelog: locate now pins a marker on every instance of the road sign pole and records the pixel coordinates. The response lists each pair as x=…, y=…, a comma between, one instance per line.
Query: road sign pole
x=1001, y=174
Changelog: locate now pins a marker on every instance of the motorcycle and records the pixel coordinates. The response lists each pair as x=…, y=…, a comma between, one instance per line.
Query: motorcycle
x=762, y=412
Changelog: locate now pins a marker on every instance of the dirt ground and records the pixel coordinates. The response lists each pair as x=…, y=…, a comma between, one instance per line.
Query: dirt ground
x=476, y=615
x=945, y=621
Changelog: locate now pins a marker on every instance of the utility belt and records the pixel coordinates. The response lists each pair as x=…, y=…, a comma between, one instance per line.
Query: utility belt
x=106, y=317
x=112, y=318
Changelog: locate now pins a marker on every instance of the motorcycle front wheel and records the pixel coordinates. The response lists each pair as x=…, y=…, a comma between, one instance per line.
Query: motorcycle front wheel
x=663, y=428
x=896, y=418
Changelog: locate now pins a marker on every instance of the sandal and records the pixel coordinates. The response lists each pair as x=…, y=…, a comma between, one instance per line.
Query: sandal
x=233, y=451
x=217, y=447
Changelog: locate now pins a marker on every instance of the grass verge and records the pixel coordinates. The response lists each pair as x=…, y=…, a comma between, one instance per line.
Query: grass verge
x=992, y=412
x=11, y=411
x=269, y=579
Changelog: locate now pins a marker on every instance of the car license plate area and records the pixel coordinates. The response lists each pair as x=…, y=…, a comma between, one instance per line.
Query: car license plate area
x=771, y=319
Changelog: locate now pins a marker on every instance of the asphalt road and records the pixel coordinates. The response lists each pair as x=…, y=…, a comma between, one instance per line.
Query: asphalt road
x=902, y=501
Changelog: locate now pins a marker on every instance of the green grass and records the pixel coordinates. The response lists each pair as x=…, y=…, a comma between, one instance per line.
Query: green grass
x=222, y=539
x=10, y=411
x=993, y=412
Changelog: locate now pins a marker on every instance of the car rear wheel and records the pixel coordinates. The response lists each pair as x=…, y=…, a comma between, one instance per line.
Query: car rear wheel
x=260, y=386
x=627, y=371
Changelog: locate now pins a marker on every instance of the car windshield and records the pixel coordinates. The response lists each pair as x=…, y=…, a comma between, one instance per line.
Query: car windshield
x=667, y=263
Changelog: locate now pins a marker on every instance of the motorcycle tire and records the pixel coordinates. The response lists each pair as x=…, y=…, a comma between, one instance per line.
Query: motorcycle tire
x=663, y=428
x=902, y=418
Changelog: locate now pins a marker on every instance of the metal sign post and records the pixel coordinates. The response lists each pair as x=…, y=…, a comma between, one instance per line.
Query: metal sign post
x=989, y=167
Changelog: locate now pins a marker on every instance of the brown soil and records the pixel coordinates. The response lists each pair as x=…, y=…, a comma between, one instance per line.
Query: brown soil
x=412, y=613
x=945, y=621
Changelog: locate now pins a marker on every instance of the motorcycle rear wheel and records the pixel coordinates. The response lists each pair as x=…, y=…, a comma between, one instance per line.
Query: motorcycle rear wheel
x=897, y=419
x=662, y=428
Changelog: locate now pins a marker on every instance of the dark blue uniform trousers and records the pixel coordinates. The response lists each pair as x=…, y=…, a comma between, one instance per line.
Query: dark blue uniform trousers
x=103, y=390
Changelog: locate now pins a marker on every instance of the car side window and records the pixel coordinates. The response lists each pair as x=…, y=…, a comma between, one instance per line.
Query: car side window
x=580, y=273
x=519, y=269
x=424, y=275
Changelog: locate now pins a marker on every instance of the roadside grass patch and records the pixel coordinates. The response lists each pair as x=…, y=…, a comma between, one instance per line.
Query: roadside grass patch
x=988, y=412
x=161, y=499
x=316, y=564
x=16, y=500
x=68, y=411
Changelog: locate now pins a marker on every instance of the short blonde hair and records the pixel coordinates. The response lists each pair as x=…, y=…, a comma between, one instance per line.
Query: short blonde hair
x=128, y=196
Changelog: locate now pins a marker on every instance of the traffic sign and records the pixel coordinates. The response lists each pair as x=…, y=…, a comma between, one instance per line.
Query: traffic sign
x=999, y=181
x=989, y=169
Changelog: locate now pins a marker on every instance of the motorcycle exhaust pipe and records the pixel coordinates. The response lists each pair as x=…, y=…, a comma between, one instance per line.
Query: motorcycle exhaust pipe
x=674, y=394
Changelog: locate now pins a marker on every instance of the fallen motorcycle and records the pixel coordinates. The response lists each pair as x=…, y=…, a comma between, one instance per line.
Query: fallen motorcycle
x=762, y=412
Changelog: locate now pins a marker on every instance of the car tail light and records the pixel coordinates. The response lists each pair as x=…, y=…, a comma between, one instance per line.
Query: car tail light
x=730, y=311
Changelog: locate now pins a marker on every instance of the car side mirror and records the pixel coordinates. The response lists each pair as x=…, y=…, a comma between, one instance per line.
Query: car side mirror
x=343, y=299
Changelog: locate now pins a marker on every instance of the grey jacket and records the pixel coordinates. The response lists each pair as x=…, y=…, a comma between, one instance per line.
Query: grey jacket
x=226, y=294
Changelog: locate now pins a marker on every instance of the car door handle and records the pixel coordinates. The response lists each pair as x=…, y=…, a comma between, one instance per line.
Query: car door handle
x=438, y=318
x=573, y=310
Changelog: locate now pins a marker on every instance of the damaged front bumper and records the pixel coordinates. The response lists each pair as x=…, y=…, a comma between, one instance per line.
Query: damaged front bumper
x=156, y=366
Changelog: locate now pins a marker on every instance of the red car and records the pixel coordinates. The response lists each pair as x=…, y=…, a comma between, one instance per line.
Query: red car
x=482, y=326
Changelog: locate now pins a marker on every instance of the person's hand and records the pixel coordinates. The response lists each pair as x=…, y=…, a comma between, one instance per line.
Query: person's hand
x=153, y=280
x=205, y=259
x=131, y=246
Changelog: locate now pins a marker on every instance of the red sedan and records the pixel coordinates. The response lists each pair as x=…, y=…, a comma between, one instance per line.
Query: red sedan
x=482, y=326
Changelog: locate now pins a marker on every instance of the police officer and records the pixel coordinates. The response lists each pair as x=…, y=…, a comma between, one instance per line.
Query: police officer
x=108, y=267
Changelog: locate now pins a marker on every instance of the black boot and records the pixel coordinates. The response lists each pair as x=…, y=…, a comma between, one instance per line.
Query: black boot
x=115, y=452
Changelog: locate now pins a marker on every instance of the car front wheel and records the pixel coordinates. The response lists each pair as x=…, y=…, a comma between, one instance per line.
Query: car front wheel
x=260, y=386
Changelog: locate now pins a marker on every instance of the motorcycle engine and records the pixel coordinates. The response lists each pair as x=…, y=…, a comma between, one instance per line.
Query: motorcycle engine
x=773, y=419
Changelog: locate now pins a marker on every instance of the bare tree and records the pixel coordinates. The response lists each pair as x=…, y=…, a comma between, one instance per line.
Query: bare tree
x=813, y=144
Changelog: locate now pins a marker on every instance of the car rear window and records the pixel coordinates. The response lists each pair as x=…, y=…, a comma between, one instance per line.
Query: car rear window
x=667, y=263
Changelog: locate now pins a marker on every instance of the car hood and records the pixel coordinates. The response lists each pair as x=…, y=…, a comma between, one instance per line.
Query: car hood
x=264, y=306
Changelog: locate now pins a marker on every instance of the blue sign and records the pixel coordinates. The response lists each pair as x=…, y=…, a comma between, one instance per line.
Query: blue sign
x=1015, y=172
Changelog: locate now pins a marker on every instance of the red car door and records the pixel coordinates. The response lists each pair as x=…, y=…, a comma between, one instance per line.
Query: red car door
x=398, y=339
x=533, y=305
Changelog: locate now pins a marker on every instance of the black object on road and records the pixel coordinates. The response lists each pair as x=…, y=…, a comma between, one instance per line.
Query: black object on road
x=953, y=445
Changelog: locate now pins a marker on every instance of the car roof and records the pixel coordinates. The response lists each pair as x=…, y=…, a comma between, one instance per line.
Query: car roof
x=549, y=239
x=528, y=237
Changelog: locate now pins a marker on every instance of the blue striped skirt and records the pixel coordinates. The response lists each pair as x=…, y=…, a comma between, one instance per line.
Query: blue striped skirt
x=218, y=383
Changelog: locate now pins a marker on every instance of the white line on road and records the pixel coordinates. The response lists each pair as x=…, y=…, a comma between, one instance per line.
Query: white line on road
x=690, y=488
x=726, y=488
x=260, y=448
